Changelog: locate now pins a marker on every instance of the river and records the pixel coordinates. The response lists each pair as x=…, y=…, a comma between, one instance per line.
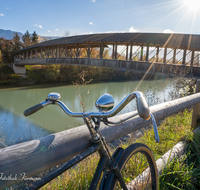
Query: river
x=15, y=127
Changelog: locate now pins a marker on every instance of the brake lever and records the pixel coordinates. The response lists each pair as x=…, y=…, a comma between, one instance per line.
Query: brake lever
x=155, y=128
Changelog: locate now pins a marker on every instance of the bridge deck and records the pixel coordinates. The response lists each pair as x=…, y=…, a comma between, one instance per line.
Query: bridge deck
x=126, y=50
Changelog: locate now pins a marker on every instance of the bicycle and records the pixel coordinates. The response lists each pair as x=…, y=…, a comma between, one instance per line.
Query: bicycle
x=116, y=169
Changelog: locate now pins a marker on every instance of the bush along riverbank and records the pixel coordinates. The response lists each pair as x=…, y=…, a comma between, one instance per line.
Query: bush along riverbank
x=182, y=173
x=68, y=73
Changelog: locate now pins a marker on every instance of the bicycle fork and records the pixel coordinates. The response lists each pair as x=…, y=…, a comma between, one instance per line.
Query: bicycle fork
x=107, y=162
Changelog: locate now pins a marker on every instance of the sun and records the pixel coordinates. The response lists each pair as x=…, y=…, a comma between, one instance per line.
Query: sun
x=192, y=4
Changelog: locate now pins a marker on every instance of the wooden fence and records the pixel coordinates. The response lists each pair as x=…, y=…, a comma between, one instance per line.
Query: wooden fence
x=33, y=157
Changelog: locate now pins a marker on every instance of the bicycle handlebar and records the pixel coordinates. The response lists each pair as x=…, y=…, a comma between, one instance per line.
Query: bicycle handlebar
x=33, y=109
x=142, y=106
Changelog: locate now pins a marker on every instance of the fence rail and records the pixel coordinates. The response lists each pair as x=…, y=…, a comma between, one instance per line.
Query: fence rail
x=33, y=157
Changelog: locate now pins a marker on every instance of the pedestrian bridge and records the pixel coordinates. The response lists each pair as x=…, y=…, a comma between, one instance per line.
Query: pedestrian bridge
x=157, y=53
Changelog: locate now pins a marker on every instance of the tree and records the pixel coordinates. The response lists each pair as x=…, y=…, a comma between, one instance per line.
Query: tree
x=1, y=60
x=6, y=50
x=34, y=38
x=26, y=39
x=67, y=33
x=17, y=44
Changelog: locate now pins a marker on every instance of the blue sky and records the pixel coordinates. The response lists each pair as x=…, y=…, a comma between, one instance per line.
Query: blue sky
x=55, y=17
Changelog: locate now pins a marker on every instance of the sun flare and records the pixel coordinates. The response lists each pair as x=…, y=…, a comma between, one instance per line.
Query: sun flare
x=192, y=4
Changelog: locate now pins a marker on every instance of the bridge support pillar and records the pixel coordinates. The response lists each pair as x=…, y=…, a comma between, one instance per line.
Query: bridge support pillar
x=141, y=53
x=157, y=54
x=101, y=51
x=88, y=51
x=184, y=56
x=127, y=52
x=174, y=56
x=165, y=55
x=21, y=70
x=192, y=61
x=131, y=47
x=147, y=53
x=115, y=50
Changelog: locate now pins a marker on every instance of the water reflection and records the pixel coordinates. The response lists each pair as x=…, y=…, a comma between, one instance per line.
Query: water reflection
x=52, y=119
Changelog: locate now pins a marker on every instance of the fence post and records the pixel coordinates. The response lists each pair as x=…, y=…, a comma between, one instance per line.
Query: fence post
x=196, y=109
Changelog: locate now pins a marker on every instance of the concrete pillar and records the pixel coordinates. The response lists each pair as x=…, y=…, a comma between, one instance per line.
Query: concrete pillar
x=157, y=54
x=196, y=109
x=115, y=50
x=174, y=56
x=131, y=49
x=147, y=53
x=127, y=52
x=184, y=57
x=21, y=70
x=165, y=55
x=141, y=53
x=101, y=51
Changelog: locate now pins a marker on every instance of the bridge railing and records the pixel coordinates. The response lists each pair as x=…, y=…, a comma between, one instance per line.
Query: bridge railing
x=33, y=157
x=143, y=66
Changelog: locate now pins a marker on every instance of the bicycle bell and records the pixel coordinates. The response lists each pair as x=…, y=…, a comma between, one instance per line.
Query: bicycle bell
x=53, y=96
x=105, y=102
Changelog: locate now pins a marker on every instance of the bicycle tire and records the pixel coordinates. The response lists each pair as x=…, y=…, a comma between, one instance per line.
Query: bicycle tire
x=134, y=178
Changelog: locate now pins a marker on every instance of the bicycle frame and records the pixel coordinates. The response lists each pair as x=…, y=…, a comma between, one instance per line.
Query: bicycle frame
x=106, y=161
x=107, y=164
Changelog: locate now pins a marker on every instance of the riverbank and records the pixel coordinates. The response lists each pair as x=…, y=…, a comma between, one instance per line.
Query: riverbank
x=40, y=74
x=172, y=130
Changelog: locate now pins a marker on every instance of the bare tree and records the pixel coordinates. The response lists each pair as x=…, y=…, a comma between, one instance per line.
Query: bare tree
x=67, y=33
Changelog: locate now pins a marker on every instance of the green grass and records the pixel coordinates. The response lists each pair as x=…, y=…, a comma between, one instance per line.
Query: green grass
x=184, y=172
x=172, y=130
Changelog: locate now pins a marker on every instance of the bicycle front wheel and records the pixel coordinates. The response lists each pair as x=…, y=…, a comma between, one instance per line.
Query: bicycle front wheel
x=138, y=168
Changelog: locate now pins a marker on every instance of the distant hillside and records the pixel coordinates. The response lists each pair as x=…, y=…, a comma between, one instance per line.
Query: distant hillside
x=8, y=34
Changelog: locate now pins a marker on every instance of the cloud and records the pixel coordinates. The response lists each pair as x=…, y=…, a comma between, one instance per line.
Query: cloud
x=168, y=31
x=93, y=1
x=132, y=29
x=49, y=31
x=56, y=29
x=1, y=14
x=115, y=31
x=90, y=23
x=39, y=26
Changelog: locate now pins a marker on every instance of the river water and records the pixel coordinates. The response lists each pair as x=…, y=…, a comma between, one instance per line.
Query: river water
x=15, y=127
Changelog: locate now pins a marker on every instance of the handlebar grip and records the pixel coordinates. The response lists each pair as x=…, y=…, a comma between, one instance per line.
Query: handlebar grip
x=33, y=109
x=143, y=108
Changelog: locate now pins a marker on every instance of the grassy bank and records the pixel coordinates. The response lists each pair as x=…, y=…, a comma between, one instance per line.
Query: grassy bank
x=7, y=76
x=184, y=172
x=172, y=130
x=67, y=73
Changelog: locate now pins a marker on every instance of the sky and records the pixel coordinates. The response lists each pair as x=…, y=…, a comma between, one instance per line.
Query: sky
x=76, y=17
